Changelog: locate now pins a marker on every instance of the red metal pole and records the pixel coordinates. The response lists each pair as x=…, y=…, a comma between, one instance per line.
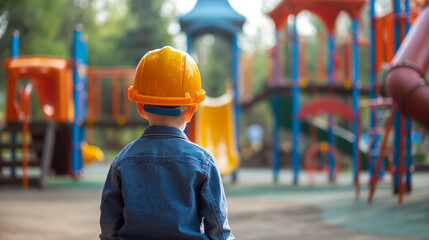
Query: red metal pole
x=405, y=83
x=125, y=102
x=25, y=100
x=370, y=103
x=115, y=98
x=97, y=98
x=374, y=178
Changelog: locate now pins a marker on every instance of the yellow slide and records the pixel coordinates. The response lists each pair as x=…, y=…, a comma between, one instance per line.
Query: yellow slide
x=215, y=131
x=91, y=153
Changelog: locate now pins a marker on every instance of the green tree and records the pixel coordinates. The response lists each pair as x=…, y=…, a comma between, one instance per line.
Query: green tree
x=103, y=40
x=145, y=31
x=37, y=23
x=214, y=62
x=46, y=27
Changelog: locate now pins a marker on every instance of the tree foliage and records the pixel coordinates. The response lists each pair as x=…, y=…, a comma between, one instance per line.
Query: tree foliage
x=214, y=61
x=45, y=26
x=146, y=30
x=127, y=30
x=118, y=32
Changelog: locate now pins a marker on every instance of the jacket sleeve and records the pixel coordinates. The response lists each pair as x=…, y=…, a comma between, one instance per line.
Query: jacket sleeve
x=213, y=207
x=112, y=205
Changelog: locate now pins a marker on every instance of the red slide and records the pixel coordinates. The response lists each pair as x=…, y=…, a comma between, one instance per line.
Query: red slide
x=405, y=82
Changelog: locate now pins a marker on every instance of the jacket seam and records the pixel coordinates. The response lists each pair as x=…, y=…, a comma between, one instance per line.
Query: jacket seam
x=156, y=160
x=218, y=222
x=115, y=172
x=212, y=203
x=163, y=135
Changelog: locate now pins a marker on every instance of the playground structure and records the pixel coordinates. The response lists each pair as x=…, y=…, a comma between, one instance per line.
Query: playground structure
x=120, y=78
x=406, y=84
x=77, y=107
x=341, y=69
x=289, y=110
x=56, y=144
x=386, y=34
x=217, y=17
x=204, y=18
x=327, y=11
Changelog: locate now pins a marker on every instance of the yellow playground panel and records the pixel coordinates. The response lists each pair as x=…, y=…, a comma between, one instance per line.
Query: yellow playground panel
x=215, y=131
x=91, y=153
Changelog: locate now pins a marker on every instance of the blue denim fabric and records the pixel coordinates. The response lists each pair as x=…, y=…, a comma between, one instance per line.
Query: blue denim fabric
x=162, y=186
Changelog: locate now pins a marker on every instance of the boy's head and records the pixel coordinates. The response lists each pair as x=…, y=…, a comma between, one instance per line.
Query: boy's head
x=167, y=85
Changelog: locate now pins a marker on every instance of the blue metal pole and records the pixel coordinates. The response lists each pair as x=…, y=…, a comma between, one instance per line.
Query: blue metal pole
x=236, y=86
x=396, y=149
x=372, y=79
x=276, y=110
x=15, y=44
x=189, y=41
x=375, y=145
x=14, y=54
x=79, y=80
x=408, y=122
x=296, y=161
x=76, y=160
x=397, y=119
x=355, y=92
x=330, y=133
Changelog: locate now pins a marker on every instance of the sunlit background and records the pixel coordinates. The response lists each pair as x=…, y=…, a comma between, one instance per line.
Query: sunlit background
x=264, y=201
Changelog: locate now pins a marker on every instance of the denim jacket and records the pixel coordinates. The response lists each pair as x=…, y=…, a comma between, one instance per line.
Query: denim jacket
x=162, y=186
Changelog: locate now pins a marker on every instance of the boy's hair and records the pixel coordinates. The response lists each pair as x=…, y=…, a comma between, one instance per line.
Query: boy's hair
x=166, y=77
x=170, y=111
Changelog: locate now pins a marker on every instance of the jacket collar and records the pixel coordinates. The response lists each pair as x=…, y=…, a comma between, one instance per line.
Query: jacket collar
x=155, y=131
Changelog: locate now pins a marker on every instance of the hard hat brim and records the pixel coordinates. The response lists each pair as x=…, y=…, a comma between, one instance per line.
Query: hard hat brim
x=187, y=100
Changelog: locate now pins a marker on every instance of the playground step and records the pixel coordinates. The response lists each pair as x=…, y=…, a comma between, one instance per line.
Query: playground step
x=36, y=128
x=35, y=145
x=43, y=136
x=32, y=181
x=18, y=163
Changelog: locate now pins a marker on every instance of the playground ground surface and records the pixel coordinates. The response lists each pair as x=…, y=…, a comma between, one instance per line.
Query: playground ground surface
x=258, y=209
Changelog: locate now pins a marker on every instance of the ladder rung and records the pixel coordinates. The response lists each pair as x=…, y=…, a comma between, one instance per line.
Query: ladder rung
x=19, y=164
x=37, y=128
x=18, y=181
x=35, y=145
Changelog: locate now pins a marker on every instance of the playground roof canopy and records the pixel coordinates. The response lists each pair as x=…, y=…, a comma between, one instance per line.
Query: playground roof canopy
x=37, y=62
x=327, y=10
x=212, y=16
x=52, y=80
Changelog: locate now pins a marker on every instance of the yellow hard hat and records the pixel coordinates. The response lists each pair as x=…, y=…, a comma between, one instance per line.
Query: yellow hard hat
x=166, y=77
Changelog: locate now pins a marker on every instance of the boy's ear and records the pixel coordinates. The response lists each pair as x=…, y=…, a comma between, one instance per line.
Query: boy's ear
x=141, y=110
x=190, y=112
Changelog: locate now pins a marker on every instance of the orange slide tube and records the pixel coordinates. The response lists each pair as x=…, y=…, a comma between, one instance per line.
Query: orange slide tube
x=405, y=81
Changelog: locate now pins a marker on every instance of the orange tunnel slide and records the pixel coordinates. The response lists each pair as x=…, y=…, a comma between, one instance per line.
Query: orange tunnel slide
x=405, y=82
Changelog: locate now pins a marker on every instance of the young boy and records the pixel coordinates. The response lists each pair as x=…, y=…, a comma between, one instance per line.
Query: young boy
x=162, y=186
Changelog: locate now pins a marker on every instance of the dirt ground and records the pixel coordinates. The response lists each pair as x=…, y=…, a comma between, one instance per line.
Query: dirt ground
x=68, y=211
x=65, y=214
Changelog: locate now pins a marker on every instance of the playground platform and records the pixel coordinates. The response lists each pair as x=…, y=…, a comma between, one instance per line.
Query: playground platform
x=258, y=209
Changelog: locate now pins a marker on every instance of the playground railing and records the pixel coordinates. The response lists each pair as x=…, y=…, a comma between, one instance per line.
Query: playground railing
x=121, y=79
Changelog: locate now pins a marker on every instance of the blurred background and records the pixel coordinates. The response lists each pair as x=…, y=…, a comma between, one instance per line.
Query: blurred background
x=120, y=32
x=263, y=182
